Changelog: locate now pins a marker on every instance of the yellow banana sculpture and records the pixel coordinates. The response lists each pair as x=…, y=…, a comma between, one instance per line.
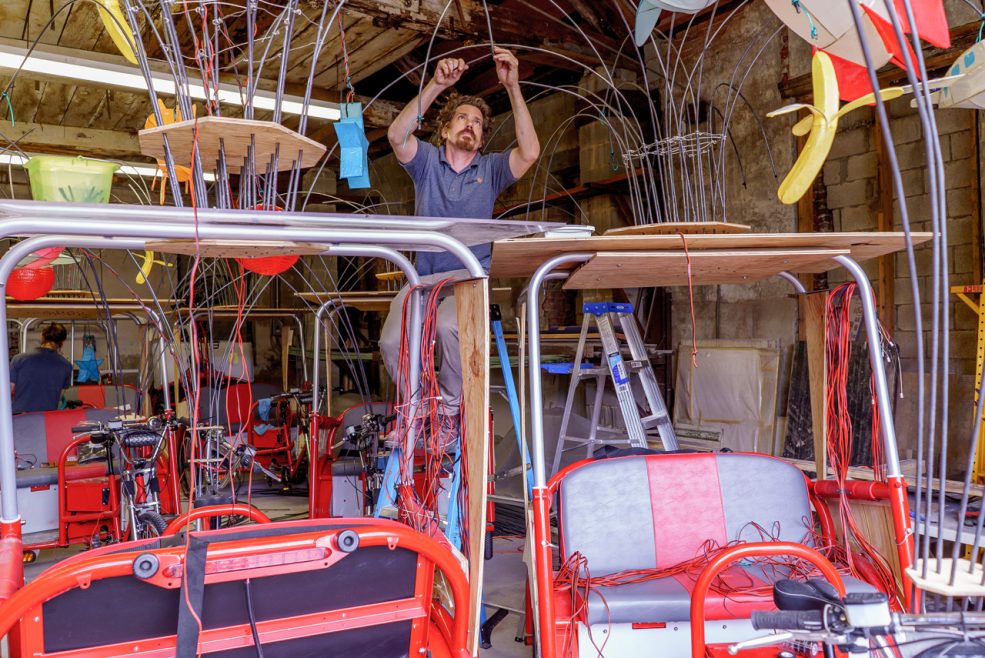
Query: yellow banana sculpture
x=822, y=124
x=118, y=28
x=148, y=265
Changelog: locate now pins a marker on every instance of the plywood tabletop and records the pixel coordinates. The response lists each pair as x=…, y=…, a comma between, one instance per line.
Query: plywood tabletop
x=232, y=137
x=521, y=257
x=668, y=268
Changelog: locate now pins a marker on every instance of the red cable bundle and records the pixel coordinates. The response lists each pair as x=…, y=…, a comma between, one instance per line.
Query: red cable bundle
x=839, y=439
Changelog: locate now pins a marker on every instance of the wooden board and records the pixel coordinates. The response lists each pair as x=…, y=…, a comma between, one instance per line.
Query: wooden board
x=521, y=257
x=235, y=136
x=236, y=248
x=669, y=268
x=673, y=228
x=812, y=320
x=472, y=306
x=60, y=309
x=376, y=300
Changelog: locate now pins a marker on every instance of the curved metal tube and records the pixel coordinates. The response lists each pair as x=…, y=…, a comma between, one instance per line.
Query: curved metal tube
x=8, y=467
x=533, y=334
x=413, y=279
x=794, y=281
x=182, y=231
x=883, y=396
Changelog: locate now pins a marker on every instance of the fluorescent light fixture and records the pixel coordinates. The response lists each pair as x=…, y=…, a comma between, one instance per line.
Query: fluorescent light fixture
x=126, y=169
x=70, y=67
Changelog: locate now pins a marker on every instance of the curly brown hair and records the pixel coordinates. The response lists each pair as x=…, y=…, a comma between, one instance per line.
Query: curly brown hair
x=447, y=113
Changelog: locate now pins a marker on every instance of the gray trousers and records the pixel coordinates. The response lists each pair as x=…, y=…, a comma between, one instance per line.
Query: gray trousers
x=446, y=340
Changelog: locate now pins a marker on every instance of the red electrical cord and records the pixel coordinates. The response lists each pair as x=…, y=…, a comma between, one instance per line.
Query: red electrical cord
x=839, y=440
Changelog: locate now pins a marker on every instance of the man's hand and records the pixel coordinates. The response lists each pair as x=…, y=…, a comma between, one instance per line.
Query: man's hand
x=449, y=71
x=507, y=67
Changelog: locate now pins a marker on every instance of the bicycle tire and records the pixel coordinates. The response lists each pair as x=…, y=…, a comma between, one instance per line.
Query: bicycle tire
x=140, y=439
x=152, y=524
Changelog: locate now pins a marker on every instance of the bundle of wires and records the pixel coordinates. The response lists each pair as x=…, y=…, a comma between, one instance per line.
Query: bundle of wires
x=418, y=507
x=866, y=562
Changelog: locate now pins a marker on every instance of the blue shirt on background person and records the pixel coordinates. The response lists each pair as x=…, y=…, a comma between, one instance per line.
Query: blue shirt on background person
x=38, y=377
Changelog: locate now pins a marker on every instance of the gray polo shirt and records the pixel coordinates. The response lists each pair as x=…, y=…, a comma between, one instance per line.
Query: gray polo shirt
x=470, y=194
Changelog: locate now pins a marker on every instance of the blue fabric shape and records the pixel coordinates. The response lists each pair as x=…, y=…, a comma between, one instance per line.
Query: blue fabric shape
x=647, y=15
x=263, y=408
x=353, y=146
x=88, y=366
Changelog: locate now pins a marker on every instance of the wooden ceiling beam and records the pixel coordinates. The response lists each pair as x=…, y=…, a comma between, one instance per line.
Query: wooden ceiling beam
x=509, y=25
x=39, y=137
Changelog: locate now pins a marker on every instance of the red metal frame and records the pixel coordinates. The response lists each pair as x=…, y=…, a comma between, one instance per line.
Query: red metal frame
x=211, y=511
x=224, y=562
x=65, y=517
x=743, y=551
x=893, y=491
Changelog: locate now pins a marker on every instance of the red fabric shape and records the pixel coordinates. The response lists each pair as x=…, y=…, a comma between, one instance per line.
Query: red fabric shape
x=268, y=265
x=684, y=517
x=888, y=35
x=44, y=257
x=94, y=395
x=58, y=430
x=931, y=21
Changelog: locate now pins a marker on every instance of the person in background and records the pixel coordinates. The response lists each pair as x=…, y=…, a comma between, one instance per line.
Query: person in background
x=38, y=378
x=453, y=177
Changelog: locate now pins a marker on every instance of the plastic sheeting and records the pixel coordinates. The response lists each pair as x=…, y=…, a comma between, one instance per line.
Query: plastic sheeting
x=732, y=391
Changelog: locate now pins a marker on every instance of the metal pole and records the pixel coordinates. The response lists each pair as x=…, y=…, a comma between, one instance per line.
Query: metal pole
x=794, y=281
x=536, y=393
x=867, y=297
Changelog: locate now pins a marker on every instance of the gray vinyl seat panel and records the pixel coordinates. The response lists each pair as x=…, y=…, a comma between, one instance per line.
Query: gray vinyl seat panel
x=661, y=600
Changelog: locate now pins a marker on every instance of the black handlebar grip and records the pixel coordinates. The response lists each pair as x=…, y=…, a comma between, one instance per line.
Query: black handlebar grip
x=791, y=620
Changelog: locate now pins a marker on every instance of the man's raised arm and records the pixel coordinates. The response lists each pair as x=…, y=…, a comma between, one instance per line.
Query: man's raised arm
x=401, y=131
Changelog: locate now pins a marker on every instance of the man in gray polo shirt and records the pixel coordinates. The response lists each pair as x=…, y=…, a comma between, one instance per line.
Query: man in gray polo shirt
x=454, y=178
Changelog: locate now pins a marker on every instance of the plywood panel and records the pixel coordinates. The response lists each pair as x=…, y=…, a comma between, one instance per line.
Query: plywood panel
x=673, y=228
x=472, y=306
x=235, y=248
x=669, y=268
x=236, y=135
x=520, y=258
x=363, y=301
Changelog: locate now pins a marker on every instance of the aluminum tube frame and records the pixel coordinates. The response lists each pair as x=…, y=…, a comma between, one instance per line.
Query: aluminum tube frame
x=41, y=210
x=883, y=396
x=413, y=279
x=8, y=463
x=794, y=281
x=410, y=239
x=263, y=315
x=533, y=336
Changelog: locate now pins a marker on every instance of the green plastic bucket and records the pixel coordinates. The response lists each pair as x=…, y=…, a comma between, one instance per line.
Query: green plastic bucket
x=74, y=180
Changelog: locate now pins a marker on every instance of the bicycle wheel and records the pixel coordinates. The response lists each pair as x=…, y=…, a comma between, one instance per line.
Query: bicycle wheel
x=151, y=523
